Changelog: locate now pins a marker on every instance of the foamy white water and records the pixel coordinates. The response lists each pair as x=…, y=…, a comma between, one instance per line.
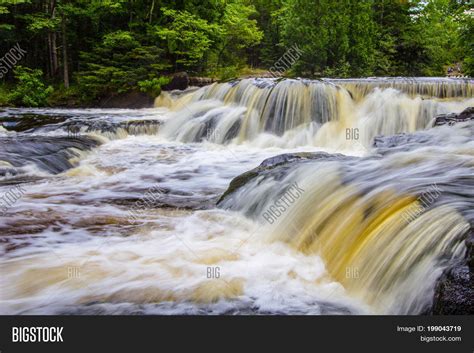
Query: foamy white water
x=70, y=246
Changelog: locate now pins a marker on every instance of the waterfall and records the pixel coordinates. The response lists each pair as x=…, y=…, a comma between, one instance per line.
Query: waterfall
x=359, y=205
x=386, y=226
x=308, y=112
x=423, y=86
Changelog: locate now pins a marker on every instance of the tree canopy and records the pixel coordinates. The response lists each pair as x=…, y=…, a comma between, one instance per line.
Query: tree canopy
x=103, y=46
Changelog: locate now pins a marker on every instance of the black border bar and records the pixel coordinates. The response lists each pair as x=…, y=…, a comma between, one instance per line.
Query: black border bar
x=245, y=333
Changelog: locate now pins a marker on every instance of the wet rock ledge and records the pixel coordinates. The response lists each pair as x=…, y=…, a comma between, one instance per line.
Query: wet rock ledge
x=454, y=293
x=452, y=118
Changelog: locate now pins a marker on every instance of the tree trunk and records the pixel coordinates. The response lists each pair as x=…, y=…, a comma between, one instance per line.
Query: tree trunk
x=152, y=9
x=50, y=52
x=55, y=54
x=52, y=42
x=65, y=58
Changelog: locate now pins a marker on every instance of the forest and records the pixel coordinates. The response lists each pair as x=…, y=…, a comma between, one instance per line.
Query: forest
x=82, y=50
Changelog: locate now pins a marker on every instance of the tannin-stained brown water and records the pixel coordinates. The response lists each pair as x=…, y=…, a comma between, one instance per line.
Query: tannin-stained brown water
x=116, y=213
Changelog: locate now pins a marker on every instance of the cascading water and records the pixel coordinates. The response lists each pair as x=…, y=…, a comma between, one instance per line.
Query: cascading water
x=306, y=232
x=413, y=86
x=396, y=221
x=316, y=113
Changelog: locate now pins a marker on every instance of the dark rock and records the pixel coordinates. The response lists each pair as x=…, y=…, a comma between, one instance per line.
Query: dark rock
x=470, y=251
x=179, y=81
x=137, y=127
x=429, y=137
x=290, y=157
x=454, y=293
x=50, y=153
x=201, y=81
x=75, y=124
x=238, y=182
x=132, y=100
x=285, y=161
x=24, y=122
x=453, y=118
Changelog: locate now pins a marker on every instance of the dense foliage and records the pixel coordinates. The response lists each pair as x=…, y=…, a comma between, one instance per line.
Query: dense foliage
x=106, y=47
x=30, y=90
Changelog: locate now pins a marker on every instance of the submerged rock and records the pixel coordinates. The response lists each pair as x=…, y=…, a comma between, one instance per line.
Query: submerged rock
x=54, y=154
x=453, y=118
x=442, y=135
x=268, y=165
x=25, y=122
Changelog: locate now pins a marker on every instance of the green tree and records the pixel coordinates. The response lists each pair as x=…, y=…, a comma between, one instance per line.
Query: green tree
x=466, y=43
x=238, y=31
x=336, y=37
x=438, y=26
x=30, y=90
x=187, y=36
x=117, y=64
x=362, y=38
x=399, y=44
x=269, y=49
x=103, y=47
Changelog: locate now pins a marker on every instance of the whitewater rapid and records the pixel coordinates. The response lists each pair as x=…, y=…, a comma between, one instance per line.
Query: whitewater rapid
x=75, y=222
x=68, y=245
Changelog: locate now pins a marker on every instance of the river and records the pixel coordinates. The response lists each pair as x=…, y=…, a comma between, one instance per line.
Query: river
x=113, y=211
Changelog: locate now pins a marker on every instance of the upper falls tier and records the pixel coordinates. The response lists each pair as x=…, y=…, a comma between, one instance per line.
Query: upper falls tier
x=296, y=112
x=428, y=87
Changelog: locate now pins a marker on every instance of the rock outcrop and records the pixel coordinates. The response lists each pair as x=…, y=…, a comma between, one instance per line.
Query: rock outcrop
x=454, y=293
x=180, y=80
x=283, y=161
x=453, y=118
x=201, y=81
x=129, y=100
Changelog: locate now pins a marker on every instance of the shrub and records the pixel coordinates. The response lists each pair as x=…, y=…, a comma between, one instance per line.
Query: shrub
x=30, y=90
x=4, y=96
x=153, y=86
